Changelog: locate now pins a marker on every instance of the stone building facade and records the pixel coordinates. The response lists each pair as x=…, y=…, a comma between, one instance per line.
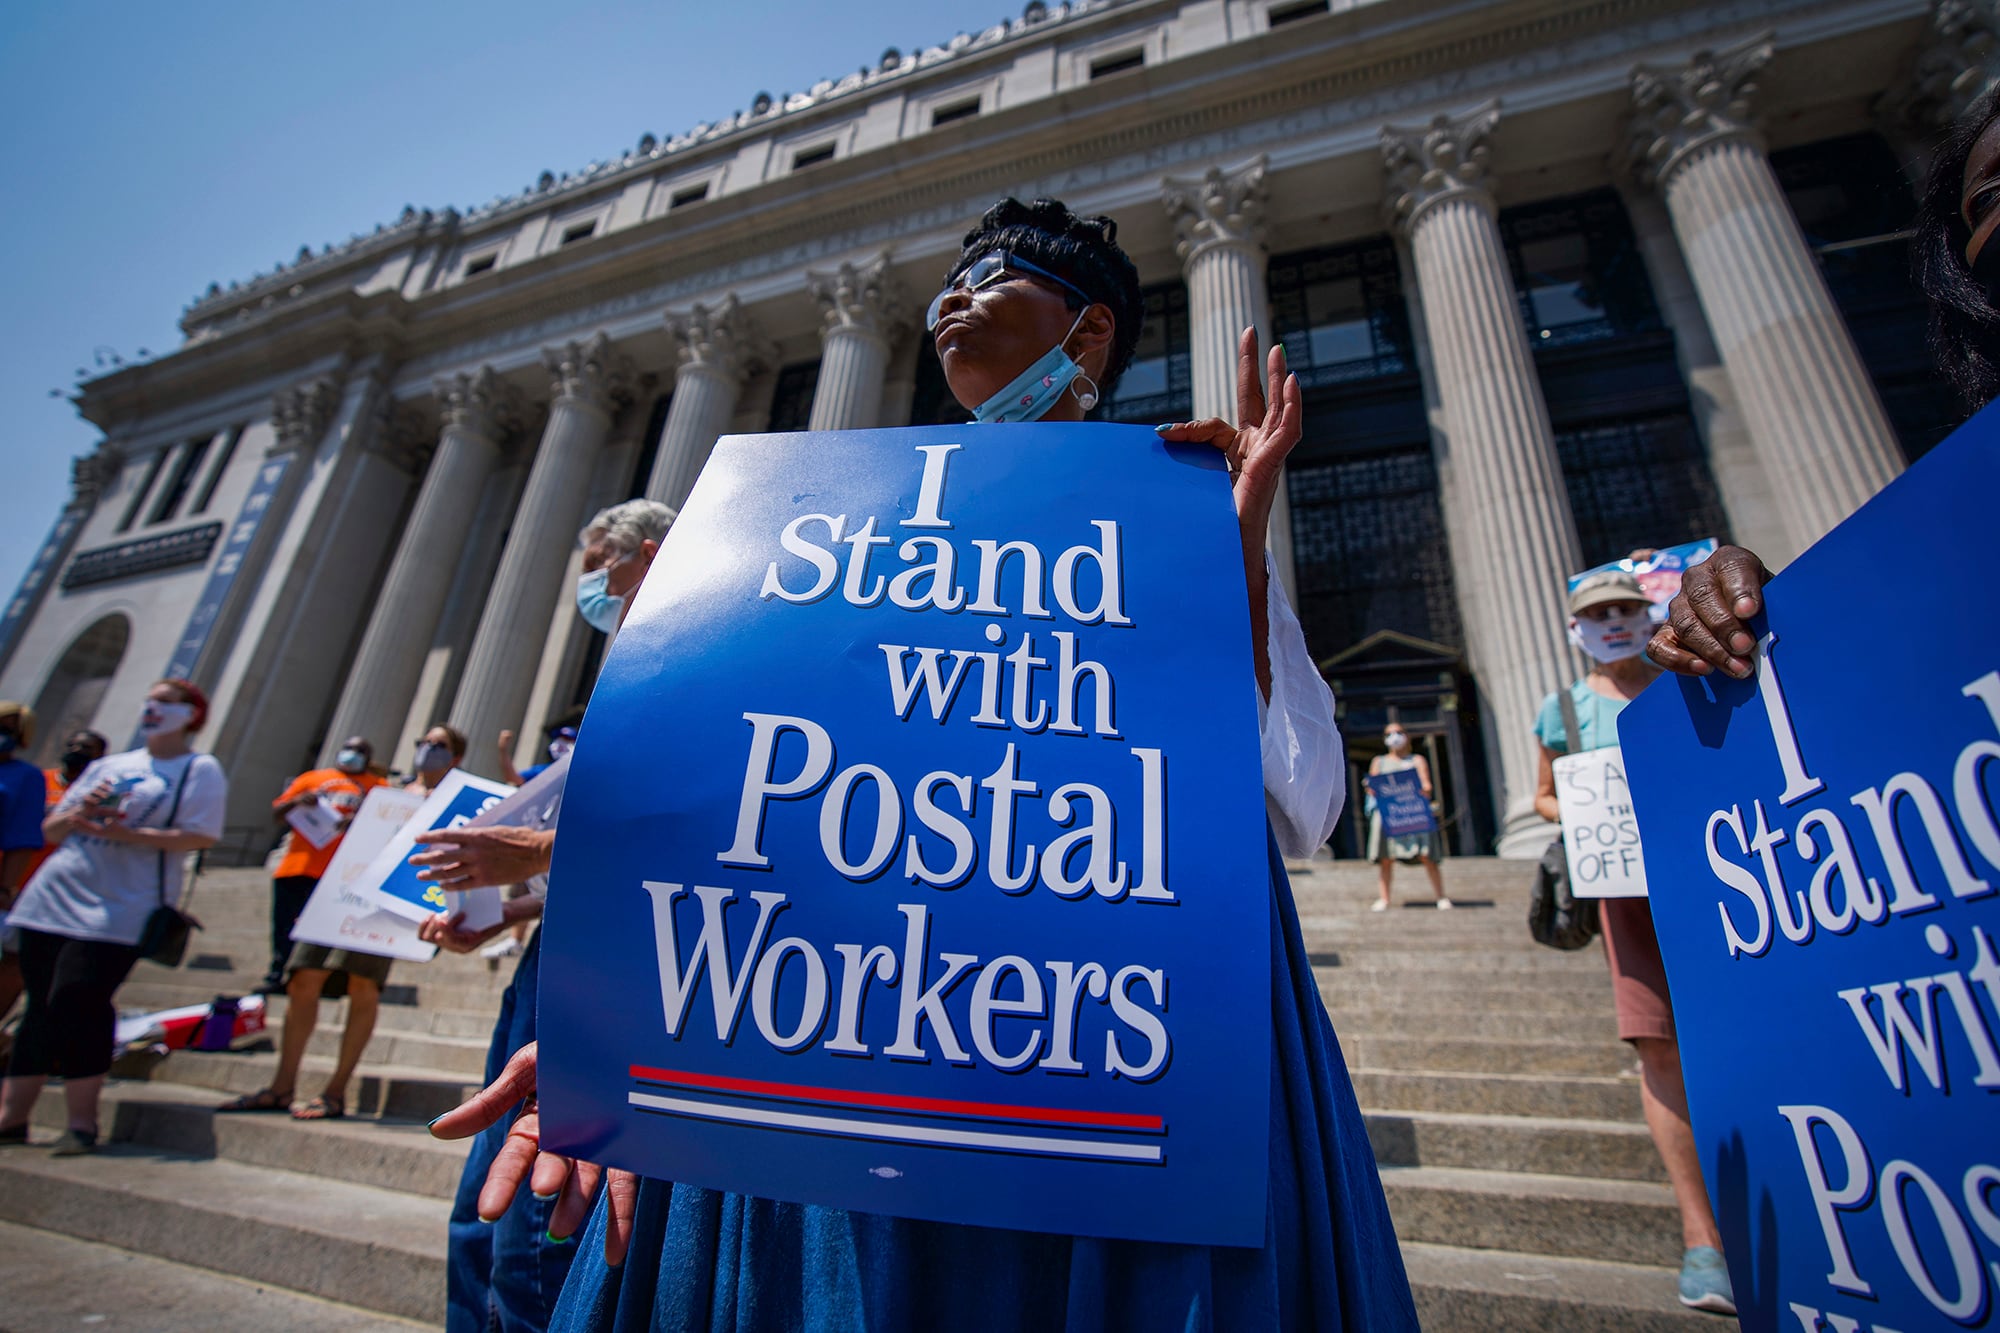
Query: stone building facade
x=1560, y=279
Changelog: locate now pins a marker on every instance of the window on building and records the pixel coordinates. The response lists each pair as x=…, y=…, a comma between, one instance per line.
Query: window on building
x=1105, y=66
x=138, y=500
x=1369, y=547
x=1279, y=15
x=1638, y=482
x=951, y=111
x=792, y=400
x=1340, y=313
x=812, y=157
x=482, y=264
x=582, y=231
x=215, y=471
x=1578, y=275
x=187, y=461
x=1158, y=385
x=692, y=194
x=1855, y=206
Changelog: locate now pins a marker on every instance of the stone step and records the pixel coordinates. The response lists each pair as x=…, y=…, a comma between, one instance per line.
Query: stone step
x=375, y=1248
x=1480, y=1291
x=1356, y=1022
x=1499, y=1094
x=397, y=1091
x=464, y=1057
x=55, y=1281
x=1620, y=1221
x=1542, y=1145
x=1444, y=998
x=1492, y=961
x=180, y=1118
x=1487, y=1056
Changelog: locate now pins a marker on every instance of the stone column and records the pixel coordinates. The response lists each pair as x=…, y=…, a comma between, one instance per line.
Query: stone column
x=863, y=310
x=719, y=349
x=591, y=382
x=479, y=411
x=1817, y=424
x=1510, y=518
x=1219, y=228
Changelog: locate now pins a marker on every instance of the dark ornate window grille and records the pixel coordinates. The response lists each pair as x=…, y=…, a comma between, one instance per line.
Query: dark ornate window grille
x=148, y=555
x=1577, y=270
x=1369, y=547
x=792, y=401
x=1159, y=383
x=1340, y=313
x=1638, y=483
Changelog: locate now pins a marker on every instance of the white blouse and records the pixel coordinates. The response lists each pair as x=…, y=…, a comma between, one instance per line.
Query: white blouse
x=1305, y=764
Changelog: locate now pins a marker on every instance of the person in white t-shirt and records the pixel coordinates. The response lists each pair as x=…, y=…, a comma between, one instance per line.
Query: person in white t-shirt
x=120, y=833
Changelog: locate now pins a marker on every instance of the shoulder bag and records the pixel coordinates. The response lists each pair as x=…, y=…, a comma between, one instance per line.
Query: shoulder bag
x=1556, y=916
x=165, y=937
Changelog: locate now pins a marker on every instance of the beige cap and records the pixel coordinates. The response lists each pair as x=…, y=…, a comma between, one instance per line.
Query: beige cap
x=1613, y=585
x=25, y=728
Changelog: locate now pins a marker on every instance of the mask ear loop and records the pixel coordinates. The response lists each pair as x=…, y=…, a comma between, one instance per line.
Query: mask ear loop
x=1086, y=397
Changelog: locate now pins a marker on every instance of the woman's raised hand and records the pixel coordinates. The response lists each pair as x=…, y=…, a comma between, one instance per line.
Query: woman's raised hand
x=572, y=1183
x=1269, y=414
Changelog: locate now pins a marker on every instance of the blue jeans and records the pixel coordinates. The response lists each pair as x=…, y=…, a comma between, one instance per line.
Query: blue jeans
x=504, y=1275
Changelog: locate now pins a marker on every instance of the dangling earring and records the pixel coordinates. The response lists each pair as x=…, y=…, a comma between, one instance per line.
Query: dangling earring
x=1086, y=398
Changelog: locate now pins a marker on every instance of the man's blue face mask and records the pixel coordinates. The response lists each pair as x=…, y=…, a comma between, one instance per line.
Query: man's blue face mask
x=594, y=602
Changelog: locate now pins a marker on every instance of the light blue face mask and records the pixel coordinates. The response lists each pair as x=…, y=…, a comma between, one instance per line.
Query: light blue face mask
x=594, y=602
x=1035, y=390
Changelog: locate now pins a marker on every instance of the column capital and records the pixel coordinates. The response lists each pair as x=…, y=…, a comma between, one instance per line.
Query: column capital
x=1218, y=208
x=865, y=297
x=592, y=373
x=91, y=473
x=403, y=434
x=1960, y=60
x=1443, y=159
x=479, y=403
x=1682, y=111
x=721, y=338
x=301, y=414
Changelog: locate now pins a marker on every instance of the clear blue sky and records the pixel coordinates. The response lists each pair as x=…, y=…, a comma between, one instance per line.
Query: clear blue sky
x=150, y=149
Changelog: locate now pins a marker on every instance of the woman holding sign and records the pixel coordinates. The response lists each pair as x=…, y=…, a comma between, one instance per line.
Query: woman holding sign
x=1385, y=850
x=1034, y=322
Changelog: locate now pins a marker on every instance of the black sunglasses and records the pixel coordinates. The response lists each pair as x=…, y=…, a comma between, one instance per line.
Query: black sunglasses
x=991, y=267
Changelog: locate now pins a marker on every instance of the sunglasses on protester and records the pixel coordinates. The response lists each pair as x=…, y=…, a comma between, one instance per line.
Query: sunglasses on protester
x=994, y=266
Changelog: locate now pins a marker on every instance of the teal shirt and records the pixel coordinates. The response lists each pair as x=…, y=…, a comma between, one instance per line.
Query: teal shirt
x=1596, y=717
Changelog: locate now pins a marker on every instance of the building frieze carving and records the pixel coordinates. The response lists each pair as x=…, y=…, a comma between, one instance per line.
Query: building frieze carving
x=91, y=474
x=1445, y=159
x=1682, y=111
x=1217, y=209
x=590, y=372
x=721, y=337
x=301, y=414
x=1955, y=68
x=865, y=297
x=479, y=403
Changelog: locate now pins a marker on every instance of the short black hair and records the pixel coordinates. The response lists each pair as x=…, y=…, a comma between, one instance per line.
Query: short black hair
x=1077, y=249
x=1965, y=328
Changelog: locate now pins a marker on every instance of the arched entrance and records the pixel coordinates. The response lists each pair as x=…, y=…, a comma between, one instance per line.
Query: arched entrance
x=70, y=697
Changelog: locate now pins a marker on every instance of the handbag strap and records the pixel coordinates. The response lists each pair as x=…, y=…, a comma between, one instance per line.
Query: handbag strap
x=1572, y=730
x=173, y=811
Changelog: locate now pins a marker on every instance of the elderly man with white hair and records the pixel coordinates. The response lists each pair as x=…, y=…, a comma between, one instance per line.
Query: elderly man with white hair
x=506, y=1273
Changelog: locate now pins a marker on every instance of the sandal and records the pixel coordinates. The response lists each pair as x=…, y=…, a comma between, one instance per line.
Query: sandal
x=264, y=1099
x=321, y=1107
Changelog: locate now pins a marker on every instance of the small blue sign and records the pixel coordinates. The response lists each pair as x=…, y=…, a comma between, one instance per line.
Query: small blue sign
x=1823, y=857
x=391, y=881
x=39, y=573
x=1399, y=799
x=914, y=857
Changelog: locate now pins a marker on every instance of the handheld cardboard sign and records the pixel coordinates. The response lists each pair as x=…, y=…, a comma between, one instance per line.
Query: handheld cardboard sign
x=391, y=881
x=1823, y=854
x=1399, y=799
x=913, y=858
x=1600, y=836
x=339, y=917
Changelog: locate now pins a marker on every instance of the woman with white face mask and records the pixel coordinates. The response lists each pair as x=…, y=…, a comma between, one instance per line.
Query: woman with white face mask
x=1427, y=849
x=1610, y=620
x=120, y=833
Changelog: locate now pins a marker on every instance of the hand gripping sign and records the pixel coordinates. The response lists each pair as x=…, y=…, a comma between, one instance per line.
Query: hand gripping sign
x=913, y=858
x=1823, y=858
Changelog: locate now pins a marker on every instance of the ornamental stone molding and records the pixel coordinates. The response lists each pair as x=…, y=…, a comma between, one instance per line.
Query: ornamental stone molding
x=403, y=434
x=1218, y=208
x=1960, y=61
x=92, y=473
x=480, y=403
x=591, y=372
x=1445, y=159
x=865, y=297
x=1683, y=110
x=301, y=414
x=720, y=338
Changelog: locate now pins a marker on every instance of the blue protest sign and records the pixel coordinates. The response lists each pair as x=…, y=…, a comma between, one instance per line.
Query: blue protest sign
x=1400, y=800
x=913, y=858
x=1822, y=855
x=390, y=881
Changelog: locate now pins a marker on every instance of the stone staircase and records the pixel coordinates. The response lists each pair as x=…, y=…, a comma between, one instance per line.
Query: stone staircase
x=1499, y=1101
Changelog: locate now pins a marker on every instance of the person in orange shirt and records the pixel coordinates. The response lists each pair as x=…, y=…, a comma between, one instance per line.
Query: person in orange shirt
x=336, y=792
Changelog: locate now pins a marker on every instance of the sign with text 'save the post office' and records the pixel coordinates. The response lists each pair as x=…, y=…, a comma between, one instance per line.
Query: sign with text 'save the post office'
x=913, y=858
x=1823, y=856
x=1600, y=835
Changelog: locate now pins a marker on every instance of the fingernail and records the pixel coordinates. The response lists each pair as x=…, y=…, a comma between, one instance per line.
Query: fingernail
x=1746, y=606
x=1161, y=430
x=1741, y=643
x=554, y=1239
x=545, y=1198
x=432, y=1122
x=1740, y=670
x=489, y=1221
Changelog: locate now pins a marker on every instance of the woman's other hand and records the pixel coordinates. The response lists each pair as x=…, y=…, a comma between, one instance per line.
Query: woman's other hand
x=484, y=857
x=446, y=932
x=571, y=1183
x=1707, y=623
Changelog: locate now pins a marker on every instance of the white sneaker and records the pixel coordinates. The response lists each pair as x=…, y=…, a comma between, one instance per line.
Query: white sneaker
x=1444, y=904
x=1378, y=906
x=508, y=947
